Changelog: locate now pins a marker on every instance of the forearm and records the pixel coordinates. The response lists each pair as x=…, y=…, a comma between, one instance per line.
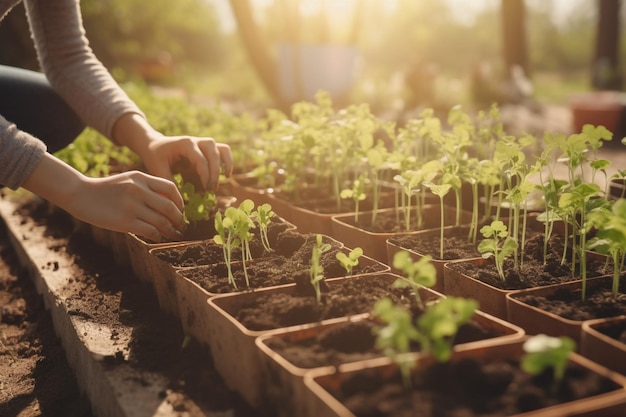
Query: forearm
x=55, y=181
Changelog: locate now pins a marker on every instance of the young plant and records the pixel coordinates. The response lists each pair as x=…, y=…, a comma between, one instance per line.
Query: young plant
x=233, y=230
x=396, y=336
x=199, y=206
x=418, y=274
x=356, y=193
x=440, y=190
x=316, y=271
x=263, y=217
x=497, y=244
x=440, y=322
x=350, y=260
x=611, y=237
x=544, y=352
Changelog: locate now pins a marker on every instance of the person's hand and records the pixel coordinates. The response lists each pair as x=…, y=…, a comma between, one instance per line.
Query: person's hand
x=132, y=201
x=164, y=155
x=194, y=157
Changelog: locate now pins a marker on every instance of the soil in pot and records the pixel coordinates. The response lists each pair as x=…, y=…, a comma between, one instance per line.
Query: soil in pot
x=568, y=303
x=339, y=297
x=393, y=221
x=208, y=252
x=355, y=340
x=468, y=387
x=533, y=271
x=291, y=258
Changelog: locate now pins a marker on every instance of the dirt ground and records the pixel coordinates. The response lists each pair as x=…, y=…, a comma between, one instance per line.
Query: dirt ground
x=36, y=378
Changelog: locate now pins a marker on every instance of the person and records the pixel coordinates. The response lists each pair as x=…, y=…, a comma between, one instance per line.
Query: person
x=42, y=112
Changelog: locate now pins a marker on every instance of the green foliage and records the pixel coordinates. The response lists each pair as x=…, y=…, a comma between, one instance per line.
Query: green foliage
x=316, y=271
x=546, y=352
x=395, y=337
x=199, y=206
x=263, y=217
x=233, y=230
x=95, y=156
x=421, y=273
x=610, y=238
x=497, y=244
x=350, y=260
x=131, y=33
x=434, y=330
x=440, y=322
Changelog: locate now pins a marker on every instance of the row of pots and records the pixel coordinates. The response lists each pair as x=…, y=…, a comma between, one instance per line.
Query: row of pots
x=248, y=364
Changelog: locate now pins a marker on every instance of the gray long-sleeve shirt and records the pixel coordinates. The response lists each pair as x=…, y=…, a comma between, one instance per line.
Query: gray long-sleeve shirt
x=73, y=71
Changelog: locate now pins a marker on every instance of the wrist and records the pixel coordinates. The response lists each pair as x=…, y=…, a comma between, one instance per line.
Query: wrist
x=133, y=131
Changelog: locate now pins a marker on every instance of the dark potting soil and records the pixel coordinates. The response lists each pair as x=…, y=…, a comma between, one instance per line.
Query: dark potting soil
x=340, y=297
x=392, y=221
x=291, y=257
x=352, y=341
x=105, y=293
x=207, y=252
x=569, y=303
x=456, y=244
x=467, y=388
x=533, y=271
x=616, y=331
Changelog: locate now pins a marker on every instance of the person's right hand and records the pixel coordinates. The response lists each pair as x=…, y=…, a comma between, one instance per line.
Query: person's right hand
x=133, y=201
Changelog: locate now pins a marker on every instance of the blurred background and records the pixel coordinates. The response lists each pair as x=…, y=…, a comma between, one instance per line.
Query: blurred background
x=397, y=55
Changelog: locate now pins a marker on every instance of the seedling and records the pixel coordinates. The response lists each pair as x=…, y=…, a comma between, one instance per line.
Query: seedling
x=440, y=190
x=356, y=193
x=421, y=273
x=497, y=244
x=350, y=260
x=440, y=322
x=611, y=237
x=395, y=337
x=543, y=352
x=233, y=230
x=199, y=206
x=434, y=330
x=316, y=271
x=263, y=217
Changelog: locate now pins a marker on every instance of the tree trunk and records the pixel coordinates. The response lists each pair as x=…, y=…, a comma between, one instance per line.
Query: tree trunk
x=606, y=68
x=257, y=48
x=515, y=48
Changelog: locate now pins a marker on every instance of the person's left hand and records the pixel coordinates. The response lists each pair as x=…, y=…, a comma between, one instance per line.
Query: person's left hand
x=206, y=157
x=163, y=155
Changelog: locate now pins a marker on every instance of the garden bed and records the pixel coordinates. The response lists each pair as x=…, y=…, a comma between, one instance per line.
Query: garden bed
x=128, y=357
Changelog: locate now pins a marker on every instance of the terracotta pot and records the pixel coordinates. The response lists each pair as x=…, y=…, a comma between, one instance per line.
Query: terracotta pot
x=600, y=342
x=492, y=300
x=598, y=108
x=192, y=297
x=285, y=380
x=315, y=215
x=325, y=385
x=537, y=320
x=116, y=242
x=233, y=348
x=245, y=186
x=374, y=244
x=393, y=247
x=617, y=188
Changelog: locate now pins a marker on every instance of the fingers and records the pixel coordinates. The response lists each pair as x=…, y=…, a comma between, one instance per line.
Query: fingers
x=209, y=157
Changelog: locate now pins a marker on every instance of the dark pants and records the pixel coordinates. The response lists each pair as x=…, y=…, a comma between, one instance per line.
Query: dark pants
x=28, y=100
